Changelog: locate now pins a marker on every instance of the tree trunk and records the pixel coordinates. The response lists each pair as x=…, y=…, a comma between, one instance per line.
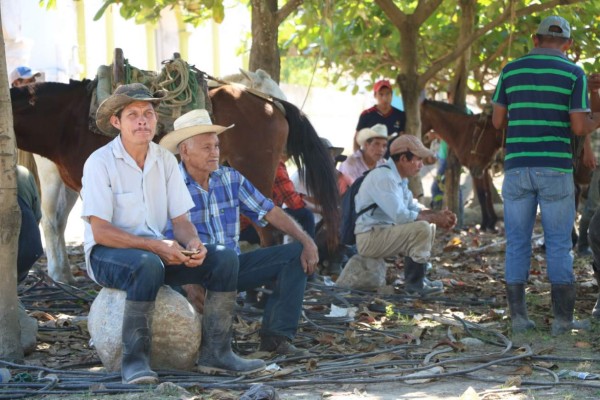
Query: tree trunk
x=10, y=215
x=458, y=92
x=408, y=80
x=264, y=52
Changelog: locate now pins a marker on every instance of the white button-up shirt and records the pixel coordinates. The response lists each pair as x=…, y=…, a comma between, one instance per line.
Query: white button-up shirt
x=140, y=202
x=395, y=202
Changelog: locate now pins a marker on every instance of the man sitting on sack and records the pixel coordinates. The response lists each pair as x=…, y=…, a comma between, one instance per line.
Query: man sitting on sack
x=131, y=188
x=220, y=194
x=398, y=224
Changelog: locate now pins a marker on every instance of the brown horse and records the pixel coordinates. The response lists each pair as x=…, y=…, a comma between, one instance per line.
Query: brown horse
x=474, y=140
x=52, y=120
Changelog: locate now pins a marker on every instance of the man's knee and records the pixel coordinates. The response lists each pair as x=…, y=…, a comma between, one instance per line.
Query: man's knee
x=423, y=230
x=149, y=271
x=224, y=263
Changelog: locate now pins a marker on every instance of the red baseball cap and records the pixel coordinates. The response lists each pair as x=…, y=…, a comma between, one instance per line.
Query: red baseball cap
x=384, y=83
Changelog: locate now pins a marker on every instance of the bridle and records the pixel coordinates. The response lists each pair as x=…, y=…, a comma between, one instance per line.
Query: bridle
x=478, y=132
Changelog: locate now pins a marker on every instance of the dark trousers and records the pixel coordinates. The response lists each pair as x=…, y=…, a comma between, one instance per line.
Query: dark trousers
x=30, y=241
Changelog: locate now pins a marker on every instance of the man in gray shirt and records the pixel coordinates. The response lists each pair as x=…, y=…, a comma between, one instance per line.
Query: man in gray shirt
x=397, y=224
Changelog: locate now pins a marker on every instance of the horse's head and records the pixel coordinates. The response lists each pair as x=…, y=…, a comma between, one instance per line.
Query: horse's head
x=486, y=141
x=473, y=138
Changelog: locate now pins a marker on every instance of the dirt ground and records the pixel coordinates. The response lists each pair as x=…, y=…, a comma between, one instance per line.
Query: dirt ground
x=363, y=357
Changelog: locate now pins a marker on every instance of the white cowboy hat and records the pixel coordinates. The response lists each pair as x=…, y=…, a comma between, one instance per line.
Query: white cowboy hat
x=376, y=131
x=195, y=122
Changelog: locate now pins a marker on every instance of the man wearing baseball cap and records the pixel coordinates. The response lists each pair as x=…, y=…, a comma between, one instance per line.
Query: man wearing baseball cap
x=398, y=225
x=382, y=112
x=546, y=94
x=22, y=76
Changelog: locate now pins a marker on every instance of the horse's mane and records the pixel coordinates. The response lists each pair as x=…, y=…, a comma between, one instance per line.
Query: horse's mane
x=445, y=106
x=55, y=88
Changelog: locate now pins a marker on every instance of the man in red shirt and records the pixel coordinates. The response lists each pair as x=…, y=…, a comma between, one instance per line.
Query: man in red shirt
x=382, y=113
x=284, y=192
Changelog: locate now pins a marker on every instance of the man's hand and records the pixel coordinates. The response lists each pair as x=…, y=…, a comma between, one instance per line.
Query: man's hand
x=445, y=219
x=309, y=257
x=170, y=252
x=198, y=257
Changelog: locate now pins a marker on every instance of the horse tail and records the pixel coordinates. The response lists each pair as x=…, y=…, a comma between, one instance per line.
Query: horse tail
x=316, y=166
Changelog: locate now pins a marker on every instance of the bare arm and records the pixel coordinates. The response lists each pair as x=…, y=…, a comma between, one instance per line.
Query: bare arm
x=584, y=123
x=500, y=117
x=594, y=85
x=588, y=157
x=109, y=235
x=310, y=254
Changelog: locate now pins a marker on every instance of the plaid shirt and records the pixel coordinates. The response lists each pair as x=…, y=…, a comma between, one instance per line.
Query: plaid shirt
x=216, y=213
x=284, y=190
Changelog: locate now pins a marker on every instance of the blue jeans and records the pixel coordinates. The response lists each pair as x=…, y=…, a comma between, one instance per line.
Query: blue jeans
x=278, y=267
x=141, y=273
x=523, y=190
x=30, y=241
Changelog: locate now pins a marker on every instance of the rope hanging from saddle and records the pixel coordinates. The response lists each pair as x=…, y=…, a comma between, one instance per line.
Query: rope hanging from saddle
x=181, y=85
x=186, y=86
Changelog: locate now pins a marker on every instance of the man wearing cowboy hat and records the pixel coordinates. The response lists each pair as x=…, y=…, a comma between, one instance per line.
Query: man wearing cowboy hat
x=131, y=189
x=220, y=194
x=373, y=145
x=398, y=224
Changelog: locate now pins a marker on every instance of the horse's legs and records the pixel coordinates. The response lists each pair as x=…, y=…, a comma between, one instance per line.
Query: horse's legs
x=489, y=200
x=57, y=202
x=483, y=189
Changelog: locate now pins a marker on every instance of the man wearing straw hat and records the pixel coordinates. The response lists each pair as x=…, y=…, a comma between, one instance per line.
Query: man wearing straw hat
x=220, y=194
x=373, y=144
x=131, y=189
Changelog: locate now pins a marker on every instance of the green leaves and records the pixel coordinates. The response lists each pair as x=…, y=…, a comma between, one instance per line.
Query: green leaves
x=194, y=11
x=358, y=41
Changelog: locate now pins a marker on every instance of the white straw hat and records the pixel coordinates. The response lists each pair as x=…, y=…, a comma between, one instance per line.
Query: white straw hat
x=376, y=131
x=195, y=122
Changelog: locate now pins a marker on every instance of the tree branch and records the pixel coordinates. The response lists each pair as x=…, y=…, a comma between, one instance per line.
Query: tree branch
x=286, y=10
x=445, y=60
x=396, y=16
x=424, y=9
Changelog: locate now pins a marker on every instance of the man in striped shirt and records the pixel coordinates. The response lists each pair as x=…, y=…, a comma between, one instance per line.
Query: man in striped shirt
x=541, y=99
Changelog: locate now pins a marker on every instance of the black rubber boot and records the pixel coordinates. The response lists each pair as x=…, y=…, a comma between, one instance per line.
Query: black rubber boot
x=137, y=340
x=414, y=275
x=563, y=303
x=596, y=311
x=216, y=356
x=518, y=308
